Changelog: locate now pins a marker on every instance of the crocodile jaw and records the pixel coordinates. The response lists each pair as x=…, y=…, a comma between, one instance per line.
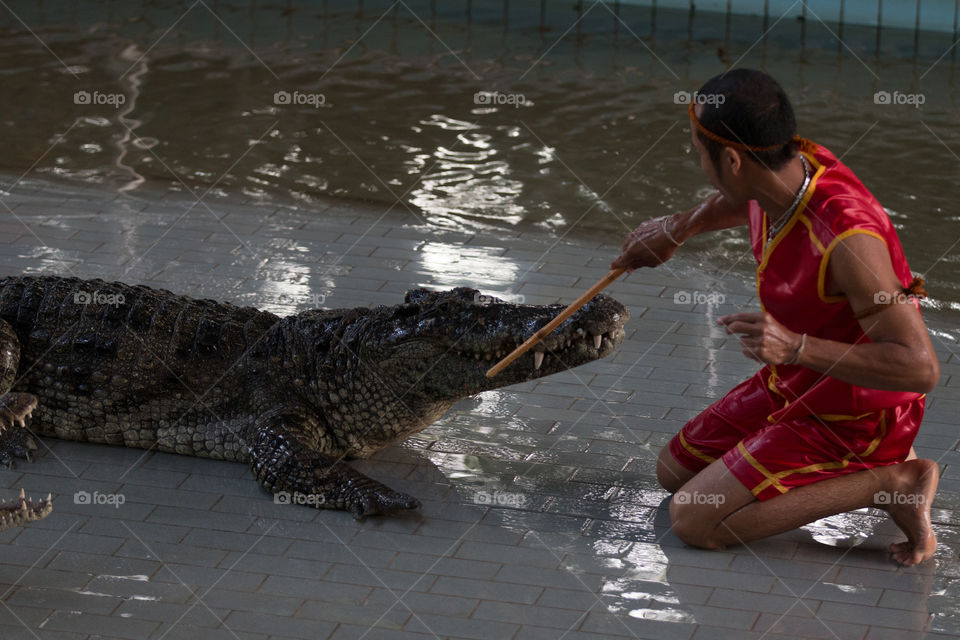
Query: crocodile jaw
x=23, y=511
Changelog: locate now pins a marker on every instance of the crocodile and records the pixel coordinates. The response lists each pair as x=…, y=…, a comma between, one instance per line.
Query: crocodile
x=294, y=397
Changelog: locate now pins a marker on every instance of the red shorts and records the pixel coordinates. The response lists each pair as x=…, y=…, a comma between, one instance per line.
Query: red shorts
x=770, y=459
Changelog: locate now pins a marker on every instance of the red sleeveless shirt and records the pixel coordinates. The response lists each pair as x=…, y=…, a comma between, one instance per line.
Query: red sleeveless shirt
x=791, y=286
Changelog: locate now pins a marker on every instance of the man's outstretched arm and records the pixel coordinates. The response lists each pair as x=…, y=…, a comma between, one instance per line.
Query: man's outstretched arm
x=648, y=245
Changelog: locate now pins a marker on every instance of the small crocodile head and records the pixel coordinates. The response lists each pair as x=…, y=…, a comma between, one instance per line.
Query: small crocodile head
x=23, y=511
x=440, y=344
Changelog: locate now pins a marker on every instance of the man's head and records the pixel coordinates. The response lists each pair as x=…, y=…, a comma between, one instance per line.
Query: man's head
x=755, y=116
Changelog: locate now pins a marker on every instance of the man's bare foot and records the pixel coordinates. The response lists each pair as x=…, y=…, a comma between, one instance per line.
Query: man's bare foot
x=909, y=506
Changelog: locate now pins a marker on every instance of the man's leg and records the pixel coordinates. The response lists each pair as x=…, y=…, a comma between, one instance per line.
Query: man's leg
x=714, y=509
x=740, y=412
x=671, y=474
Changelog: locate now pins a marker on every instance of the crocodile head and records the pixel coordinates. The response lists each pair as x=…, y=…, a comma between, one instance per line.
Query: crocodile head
x=394, y=370
x=23, y=511
x=438, y=345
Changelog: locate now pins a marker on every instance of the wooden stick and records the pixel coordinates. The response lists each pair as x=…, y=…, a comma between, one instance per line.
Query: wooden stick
x=544, y=331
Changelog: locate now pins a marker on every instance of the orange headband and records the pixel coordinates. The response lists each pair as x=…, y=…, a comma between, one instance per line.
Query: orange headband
x=739, y=145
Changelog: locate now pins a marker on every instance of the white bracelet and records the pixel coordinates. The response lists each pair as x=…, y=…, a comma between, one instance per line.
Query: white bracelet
x=667, y=233
x=796, y=357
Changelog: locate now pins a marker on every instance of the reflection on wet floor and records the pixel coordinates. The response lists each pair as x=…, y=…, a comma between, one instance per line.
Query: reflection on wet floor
x=453, y=265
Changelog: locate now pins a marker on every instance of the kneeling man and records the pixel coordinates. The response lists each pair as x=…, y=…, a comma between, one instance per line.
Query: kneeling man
x=827, y=424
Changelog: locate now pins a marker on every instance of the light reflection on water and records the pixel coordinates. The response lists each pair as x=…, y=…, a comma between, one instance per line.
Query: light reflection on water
x=459, y=265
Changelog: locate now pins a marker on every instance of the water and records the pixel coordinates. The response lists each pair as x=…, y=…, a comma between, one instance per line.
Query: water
x=587, y=135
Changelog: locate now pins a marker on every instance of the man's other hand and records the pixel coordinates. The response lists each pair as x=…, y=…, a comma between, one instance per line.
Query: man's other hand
x=763, y=338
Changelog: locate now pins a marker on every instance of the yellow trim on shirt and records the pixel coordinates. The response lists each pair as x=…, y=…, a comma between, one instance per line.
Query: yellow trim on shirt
x=768, y=247
x=686, y=445
x=813, y=236
x=774, y=478
x=770, y=478
x=824, y=260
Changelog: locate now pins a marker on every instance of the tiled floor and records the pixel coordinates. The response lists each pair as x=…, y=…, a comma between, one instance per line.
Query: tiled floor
x=576, y=547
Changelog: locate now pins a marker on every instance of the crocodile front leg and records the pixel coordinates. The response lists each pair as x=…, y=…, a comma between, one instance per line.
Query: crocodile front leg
x=15, y=407
x=284, y=462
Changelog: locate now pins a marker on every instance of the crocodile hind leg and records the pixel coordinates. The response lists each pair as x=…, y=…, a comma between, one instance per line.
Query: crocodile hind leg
x=286, y=465
x=15, y=407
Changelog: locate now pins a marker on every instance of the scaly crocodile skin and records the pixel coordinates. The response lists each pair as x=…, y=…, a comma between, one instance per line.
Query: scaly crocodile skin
x=293, y=397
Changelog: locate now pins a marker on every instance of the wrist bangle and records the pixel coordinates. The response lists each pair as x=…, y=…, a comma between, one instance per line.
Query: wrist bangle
x=667, y=233
x=796, y=356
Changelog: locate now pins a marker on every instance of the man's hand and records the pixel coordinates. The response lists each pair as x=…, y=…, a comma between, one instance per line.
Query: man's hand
x=763, y=338
x=646, y=246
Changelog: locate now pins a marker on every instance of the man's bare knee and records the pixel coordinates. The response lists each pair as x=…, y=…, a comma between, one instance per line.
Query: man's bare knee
x=689, y=528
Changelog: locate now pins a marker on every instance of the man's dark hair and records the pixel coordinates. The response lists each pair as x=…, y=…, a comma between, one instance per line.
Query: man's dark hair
x=755, y=111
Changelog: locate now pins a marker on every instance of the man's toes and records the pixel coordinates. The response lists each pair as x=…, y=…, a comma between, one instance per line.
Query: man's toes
x=903, y=553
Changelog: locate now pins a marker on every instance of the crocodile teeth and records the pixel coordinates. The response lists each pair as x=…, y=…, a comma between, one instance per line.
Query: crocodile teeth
x=537, y=359
x=597, y=339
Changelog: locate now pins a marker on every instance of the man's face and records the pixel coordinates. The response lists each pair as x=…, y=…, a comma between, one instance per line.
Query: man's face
x=724, y=183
